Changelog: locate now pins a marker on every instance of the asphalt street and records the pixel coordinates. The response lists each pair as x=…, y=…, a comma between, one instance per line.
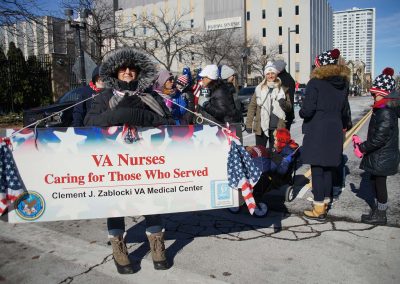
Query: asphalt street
x=220, y=247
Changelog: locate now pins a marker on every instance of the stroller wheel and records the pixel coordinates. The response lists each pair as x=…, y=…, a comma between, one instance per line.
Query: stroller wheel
x=289, y=194
x=234, y=210
x=261, y=210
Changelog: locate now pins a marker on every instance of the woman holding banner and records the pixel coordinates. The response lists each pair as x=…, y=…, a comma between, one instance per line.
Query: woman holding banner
x=126, y=74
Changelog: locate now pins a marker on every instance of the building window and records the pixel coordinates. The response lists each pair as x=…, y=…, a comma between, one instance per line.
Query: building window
x=144, y=45
x=156, y=43
x=264, y=32
x=280, y=12
x=297, y=48
x=296, y=10
x=192, y=23
x=280, y=49
x=297, y=29
x=248, y=16
x=133, y=32
x=264, y=50
x=280, y=31
x=180, y=56
x=263, y=14
x=144, y=30
x=297, y=66
x=248, y=69
x=192, y=54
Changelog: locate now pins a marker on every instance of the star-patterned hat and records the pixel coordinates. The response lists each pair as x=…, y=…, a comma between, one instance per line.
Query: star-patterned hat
x=384, y=83
x=329, y=57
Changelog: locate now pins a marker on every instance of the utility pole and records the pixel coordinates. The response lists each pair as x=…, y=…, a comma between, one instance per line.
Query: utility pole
x=78, y=26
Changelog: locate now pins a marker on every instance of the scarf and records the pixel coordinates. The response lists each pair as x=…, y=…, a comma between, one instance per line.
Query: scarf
x=146, y=98
x=267, y=99
x=380, y=104
x=93, y=87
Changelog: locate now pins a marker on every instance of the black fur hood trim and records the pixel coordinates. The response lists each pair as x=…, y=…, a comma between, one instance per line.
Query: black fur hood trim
x=127, y=57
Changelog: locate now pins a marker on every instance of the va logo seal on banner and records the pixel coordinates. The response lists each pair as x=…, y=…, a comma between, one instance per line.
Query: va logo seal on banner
x=221, y=194
x=30, y=205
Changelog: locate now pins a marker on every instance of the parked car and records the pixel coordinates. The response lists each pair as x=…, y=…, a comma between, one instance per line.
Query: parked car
x=62, y=119
x=244, y=96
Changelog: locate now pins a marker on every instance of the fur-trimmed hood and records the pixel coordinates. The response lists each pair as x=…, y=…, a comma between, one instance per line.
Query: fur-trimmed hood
x=147, y=69
x=327, y=71
x=337, y=75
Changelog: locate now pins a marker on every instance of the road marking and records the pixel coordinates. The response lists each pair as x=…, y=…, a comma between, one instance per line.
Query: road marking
x=348, y=138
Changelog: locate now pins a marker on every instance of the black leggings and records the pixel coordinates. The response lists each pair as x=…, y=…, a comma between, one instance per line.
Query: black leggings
x=379, y=186
x=264, y=140
x=321, y=182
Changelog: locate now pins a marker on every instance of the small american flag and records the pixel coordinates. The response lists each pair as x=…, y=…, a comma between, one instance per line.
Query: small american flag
x=11, y=185
x=242, y=173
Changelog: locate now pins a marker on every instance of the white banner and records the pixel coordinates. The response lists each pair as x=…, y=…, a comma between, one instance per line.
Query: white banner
x=85, y=173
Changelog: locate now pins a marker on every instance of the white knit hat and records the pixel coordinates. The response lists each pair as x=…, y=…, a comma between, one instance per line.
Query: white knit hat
x=226, y=72
x=270, y=68
x=210, y=71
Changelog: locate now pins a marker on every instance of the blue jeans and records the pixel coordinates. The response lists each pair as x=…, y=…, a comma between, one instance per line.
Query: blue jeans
x=116, y=225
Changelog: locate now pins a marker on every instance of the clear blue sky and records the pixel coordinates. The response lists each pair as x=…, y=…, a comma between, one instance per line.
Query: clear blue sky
x=387, y=46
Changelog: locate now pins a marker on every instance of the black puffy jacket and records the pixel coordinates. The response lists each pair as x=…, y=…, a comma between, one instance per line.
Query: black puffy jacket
x=221, y=105
x=381, y=149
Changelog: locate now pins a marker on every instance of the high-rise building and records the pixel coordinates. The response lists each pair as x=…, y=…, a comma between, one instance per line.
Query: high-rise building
x=305, y=25
x=354, y=35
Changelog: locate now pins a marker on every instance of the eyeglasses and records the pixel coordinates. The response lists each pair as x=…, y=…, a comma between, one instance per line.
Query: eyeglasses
x=123, y=69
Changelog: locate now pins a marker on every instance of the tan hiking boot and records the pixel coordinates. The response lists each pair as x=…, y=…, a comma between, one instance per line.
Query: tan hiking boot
x=120, y=254
x=157, y=248
x=318, y=211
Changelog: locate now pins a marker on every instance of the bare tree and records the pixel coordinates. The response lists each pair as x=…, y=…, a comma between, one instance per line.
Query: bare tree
x=260, y=55
x=14, y=11
x=220, y=46
x=165, y=36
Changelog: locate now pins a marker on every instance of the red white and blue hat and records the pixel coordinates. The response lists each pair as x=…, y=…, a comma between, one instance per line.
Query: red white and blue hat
x=329, y=57
x=384, y=83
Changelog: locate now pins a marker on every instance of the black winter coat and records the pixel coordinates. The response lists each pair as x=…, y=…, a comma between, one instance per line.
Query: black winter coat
x=131, y=109
x=381, y=149
x=79, y=112
x=288, y=82
x=323, y=111
x=221, y=105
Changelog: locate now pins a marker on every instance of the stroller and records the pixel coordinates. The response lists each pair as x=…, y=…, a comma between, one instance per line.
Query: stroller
x=278, y=166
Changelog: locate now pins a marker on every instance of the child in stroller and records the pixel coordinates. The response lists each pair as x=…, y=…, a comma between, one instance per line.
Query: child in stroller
x=278, y=165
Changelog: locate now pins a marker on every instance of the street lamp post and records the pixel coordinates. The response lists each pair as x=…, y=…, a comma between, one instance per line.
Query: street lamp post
x=78, y=26
x=288, y=35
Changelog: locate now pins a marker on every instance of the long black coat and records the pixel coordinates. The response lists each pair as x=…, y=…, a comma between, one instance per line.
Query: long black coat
x=288, y=82
x=381, y=149
x=323, y=111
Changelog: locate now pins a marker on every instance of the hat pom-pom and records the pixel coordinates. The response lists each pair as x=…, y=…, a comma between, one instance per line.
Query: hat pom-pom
x=335, y=53
x=388, y=71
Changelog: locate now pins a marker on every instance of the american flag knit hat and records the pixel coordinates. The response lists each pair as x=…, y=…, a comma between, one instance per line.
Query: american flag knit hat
x=329, y=57
x=384, y=83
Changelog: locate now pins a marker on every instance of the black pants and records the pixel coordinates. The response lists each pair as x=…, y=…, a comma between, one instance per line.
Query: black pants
x=116, y=225
x=264, y=140
x=321, y=182
x=379, y=186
